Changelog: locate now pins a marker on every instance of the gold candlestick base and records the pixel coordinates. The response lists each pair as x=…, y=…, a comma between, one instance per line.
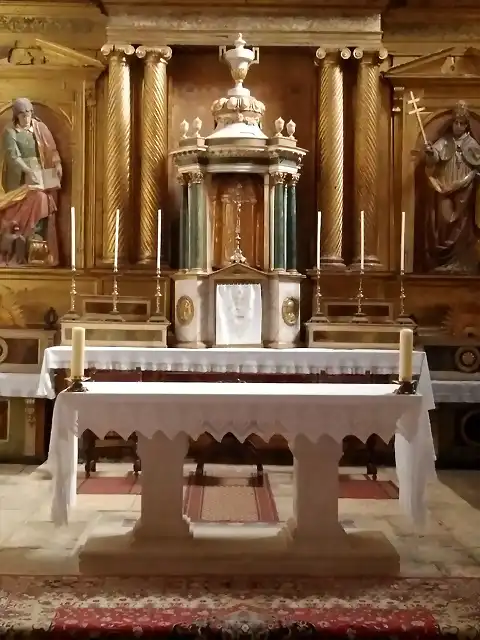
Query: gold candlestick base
x=318, y=314
x=114, y=315
x=360, y=317
x=158, y=316
x=406, y=388
x=72, y=315
x=76, y=385
x=403, y=318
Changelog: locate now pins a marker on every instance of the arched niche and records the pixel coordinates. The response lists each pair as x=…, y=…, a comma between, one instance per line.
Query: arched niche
x=439, y=80
x=436, y=125
x=61, y=84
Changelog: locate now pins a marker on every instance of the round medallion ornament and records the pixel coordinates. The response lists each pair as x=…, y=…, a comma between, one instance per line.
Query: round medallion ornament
x=290, y=311
x=185, y=311
x=467, y=359
x=3, y=350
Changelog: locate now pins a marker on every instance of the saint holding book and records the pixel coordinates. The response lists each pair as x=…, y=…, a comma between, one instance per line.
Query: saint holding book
x=31, y=178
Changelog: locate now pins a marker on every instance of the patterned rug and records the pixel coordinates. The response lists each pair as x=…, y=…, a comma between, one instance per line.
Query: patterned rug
x=354, y=488
x=266, y=609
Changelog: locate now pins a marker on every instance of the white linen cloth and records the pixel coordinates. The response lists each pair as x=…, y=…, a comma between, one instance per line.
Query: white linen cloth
x=238, y=314
x=19, y=385
x=286, y=409
x=456, y=391
x=332, y=361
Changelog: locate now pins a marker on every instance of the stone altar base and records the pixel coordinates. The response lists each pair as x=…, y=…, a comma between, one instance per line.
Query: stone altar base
x=268, y=551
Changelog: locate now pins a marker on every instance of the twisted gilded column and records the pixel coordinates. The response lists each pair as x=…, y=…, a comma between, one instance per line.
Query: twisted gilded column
x=330, y=154
x=154, y=128
x=117, y=179
x=366, y=131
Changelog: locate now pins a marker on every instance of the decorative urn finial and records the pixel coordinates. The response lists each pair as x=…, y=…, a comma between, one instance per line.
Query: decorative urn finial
x=239, y=60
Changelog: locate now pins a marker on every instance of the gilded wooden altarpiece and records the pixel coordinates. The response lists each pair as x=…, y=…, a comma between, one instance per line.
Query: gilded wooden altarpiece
x=66, y=79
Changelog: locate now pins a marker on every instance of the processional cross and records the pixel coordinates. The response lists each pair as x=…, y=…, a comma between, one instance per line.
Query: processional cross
x=417, y=111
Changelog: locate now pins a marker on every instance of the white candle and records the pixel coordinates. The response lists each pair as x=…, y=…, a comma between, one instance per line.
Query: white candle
x=73, y=241
x=319, y=234
x=117, y=226
x=77, y=364
x=402, y=244
x=406, y=355
x=362, y=240
x=159, y=238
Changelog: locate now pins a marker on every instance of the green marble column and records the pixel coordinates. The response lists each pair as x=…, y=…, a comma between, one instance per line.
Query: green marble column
x=183, y=230
x=196, y=224
x=291, y=213
x=279, y=261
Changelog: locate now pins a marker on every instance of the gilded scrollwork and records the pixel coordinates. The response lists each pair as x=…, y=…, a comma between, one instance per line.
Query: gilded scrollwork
x=278, y=177
x=196, y=177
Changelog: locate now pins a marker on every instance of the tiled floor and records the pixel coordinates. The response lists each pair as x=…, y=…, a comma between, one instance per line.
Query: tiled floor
x=30, y=544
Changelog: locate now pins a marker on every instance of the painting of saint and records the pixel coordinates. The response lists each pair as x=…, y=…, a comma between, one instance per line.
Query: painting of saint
x=31, y=179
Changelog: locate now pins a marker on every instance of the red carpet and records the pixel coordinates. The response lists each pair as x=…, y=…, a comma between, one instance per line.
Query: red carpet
x=354, y=488
x=71, y=607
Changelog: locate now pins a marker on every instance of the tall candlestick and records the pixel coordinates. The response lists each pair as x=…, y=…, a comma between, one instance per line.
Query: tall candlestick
x=159, y=238
x=406, y=355
x=73, y=240
x=319, y=234
x=402, y=244
x=117, y=228
x=362, y=240
x=77, y=364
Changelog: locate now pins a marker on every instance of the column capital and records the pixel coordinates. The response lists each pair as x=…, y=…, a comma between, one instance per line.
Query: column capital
x=278, y=177
x=331, y=56
x=196, y=177
x=293, y=179
x=154, y=54
x=119, y=51
x=375, y=56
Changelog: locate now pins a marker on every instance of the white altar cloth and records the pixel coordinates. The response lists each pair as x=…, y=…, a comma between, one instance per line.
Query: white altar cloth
x=19, y=385
x=286, y=361
x=321, y=413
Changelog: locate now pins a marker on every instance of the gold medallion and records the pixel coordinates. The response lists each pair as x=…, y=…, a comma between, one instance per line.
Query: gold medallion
x=290, y=311
x=185, y=310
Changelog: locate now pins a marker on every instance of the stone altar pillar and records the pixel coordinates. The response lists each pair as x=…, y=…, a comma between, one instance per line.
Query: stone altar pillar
x=366, y=132
x=153, y=177
x=330, y=154
x=118, y=147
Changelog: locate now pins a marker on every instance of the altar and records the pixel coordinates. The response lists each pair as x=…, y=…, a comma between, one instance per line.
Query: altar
x=313, y=419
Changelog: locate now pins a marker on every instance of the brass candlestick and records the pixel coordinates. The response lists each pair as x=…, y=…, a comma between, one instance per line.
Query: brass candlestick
x=406, y=388
x=317, y=307
x=158, y=316
x=76, y=384
x=403, y=317
x=360, y=317
x=114, y=313
x=72, y=315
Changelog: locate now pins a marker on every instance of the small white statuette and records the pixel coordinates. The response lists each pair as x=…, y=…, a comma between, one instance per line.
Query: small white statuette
x=291, y=127
x=196, y=126
x=279, y=124
x=184, y=127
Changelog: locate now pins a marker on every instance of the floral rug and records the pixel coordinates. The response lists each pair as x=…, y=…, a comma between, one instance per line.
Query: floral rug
x=267, y=609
